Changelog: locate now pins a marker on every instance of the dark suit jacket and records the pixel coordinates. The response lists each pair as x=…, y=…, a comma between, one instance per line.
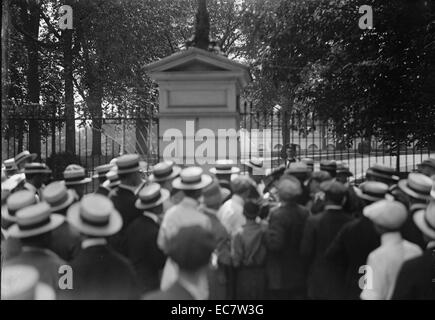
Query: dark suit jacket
x=175, y=292
x=320, y=231
x=412, y=233
x=65, y=241
x=416, y=279
x=285, y=266
x=349, y=251
x=142, y=250
x=103, y=191
x=102, y=274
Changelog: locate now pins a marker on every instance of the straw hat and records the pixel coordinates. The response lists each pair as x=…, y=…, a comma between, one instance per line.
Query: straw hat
x=58, y=196
x=130, y=163
x=372, y=190
x=12, y=182
x=343, y=168
x=112, y=178
x=95, y=215
x=388, y=214
x=151, y=196
x=191, y=178
x=21, y=282
x=35, y=220
x=17, y=201
x=380, y=171
x=309, y=162
x=417, y=186
x=23, y=156
x=164, y=171
x=75, y=174
x=35, y=168
x=224, y=166
x=10, y=164
x=425, y=220
x=102, y=170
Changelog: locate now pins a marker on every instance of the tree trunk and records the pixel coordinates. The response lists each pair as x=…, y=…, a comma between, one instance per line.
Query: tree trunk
x=5, y=59
x=142, y=136
x=94, y=104
x=70, y=133
x=33, y=84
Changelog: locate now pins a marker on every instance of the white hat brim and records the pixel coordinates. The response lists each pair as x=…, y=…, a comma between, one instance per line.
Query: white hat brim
x=403, y=186
x=175, y=173
x=422, y=224
x=67, y=203
x=55, y=221
x=164, y=196
x=225, y=171
x=114, y=225
x=6, y=215
x=205, y=181
x=83, y=181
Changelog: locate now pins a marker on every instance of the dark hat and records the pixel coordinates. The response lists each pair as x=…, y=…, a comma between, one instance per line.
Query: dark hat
x=372, y=191
x=251, y=209
x=329, y=166
x=333, y=190
x=191, y=247
x=382, y=173
x=309, y=162
x=130, y=163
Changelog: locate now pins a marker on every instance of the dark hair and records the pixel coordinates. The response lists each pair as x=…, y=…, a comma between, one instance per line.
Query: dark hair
x=195, y=194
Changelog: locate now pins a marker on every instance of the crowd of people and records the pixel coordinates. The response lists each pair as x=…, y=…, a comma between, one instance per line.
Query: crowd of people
x=300, y=231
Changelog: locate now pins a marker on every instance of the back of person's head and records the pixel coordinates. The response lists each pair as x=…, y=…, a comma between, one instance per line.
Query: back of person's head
x=335, y=192
x=251, y=209
x=191, y=248
x=289, y=188
x=242, y=185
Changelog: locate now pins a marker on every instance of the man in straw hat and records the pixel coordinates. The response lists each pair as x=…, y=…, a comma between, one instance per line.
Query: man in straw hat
x=76, y=179
x=100, y=175
x=351, y=247
x=417, y=188
x=125, y=195
x=386, y=261
x=33, y=227
x=10, y=167
x=319, y=232
x=65, y=241
x=416, y=277
x=223, y=171
x=164, y=173
x=286, y=269
x=213, y=196
x=191, y=181
x=99, y=272
x=141, y=237
x=190, y=249
x=21, y=282
x=36, y=175
x=23, y=158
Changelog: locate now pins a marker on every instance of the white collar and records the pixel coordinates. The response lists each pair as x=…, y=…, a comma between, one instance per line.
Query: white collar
x=199, y=291
x=93, y=242
x=152, y=216
x=333, y=207
x=391, y=238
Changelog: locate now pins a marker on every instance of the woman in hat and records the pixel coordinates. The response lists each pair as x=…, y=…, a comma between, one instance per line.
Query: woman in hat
x=248, y=252
x=386, y=261
x=76, y=179
x=34, y=226
x=141, y=237
x=99, y=272
x=415, y=280
x=352, y=245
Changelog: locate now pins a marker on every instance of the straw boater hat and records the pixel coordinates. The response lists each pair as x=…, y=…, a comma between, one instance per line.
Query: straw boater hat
x=21, y=282
x=36, y=168
x=151, y=196
x=75, y=174
x=17, y=201
x=12, y=182
x=112, y=178
x=343, y=168
x=254, y=163
x=58, y=196
x=372, y=191
x=224, y=166
x=425, y=219
x=191, y=178
x=102, y=170
x=417, y=186
x=388, y=214
x=309, y=162
x=10, y=165
x=164, y=171
x=23, y=156
x=35, y=220
x=95, y=215
x=379, y=171
x=130, y=163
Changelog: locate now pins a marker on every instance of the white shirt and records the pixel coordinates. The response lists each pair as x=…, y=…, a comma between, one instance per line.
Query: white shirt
x=386, y=262
x=231, y=214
